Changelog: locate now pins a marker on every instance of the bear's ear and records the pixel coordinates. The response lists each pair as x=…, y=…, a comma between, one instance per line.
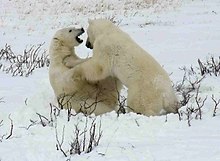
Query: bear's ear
x=61, y=43
x=55, y=38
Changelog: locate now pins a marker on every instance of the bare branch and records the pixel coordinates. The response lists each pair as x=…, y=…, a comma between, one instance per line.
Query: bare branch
x=25, y=102
x=43, y=119
x=11, y=128
x=216, y=102
x=76, y=144
x=121, y=102
x=23, y=64
x=99, y=134
x=89, y=108
x=1, y=123
x=33, y=123
x=211, y=66
x=200, y=103
x=60, y=144
x=1, y=100
x=85, y=141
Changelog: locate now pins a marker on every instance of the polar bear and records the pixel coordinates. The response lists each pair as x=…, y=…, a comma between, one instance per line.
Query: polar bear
x=82, y=96
x=115, y=54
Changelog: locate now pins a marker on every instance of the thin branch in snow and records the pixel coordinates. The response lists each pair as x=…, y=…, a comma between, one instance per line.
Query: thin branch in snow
x=200, y=103
x=64, y=101
x=216, y=102
x=166, y=118
x=5, y=136
x=85, y=141
x=23, y=64
x=192, y=111
x=185, y=89
x=25, y=101
x=114, y=20
x=11, y=127
x=92, y=132
x=1, y=137
x=33, y=123
x=70, y=114
x=180, y=115
x=211, y=66
x=89, y=108
x=1, y=100
x=186, y=96
x=60, y=143
x=56, y=111
x=52, y=113
x=121, y=102
x=137, y=123
x=76, y=144
x=1, y=123
x=44, y=120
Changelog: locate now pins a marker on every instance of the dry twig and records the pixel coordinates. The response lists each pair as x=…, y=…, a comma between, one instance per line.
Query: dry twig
x=200, y=103
x=60, y=143
x=11, y=127
x=216, y=102
x=23, y=64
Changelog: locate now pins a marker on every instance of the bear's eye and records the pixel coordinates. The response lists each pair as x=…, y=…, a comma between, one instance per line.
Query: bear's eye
x=70, y=30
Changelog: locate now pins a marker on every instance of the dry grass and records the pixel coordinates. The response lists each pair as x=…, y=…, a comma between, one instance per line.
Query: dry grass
x=23, y=64
x=87, y=7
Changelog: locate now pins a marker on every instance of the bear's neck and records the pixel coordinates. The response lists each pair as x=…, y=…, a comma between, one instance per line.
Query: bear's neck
x=58, y=53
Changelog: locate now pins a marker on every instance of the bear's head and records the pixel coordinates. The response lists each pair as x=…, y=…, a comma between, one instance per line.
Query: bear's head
x=69, y=36
x=96, y=28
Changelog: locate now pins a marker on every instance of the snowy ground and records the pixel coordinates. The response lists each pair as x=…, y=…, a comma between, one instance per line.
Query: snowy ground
x=175, y=34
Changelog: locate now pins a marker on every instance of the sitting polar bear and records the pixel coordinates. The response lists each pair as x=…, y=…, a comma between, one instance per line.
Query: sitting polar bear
x=115, y=54
x=82, y=96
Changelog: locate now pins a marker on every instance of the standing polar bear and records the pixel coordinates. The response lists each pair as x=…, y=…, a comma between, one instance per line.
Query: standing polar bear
x=82, y=96
x=115, y=54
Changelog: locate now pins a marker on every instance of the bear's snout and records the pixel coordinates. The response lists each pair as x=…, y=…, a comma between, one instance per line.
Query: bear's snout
x=82, y=30
x=88, y=44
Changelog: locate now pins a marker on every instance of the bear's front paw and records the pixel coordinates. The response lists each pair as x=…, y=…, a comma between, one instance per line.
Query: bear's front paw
x=68, y=62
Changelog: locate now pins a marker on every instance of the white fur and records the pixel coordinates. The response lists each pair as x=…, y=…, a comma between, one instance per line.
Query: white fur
x=78, y=94
x=116, y=54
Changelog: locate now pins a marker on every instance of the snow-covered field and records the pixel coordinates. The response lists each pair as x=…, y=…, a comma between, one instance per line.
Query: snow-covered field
x=176, y=34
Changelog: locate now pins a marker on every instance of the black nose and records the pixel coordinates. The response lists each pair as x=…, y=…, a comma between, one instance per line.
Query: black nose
x=89, y=45
x=82, y=30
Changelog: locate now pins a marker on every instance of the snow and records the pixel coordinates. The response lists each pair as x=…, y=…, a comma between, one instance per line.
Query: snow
x=175, y=33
